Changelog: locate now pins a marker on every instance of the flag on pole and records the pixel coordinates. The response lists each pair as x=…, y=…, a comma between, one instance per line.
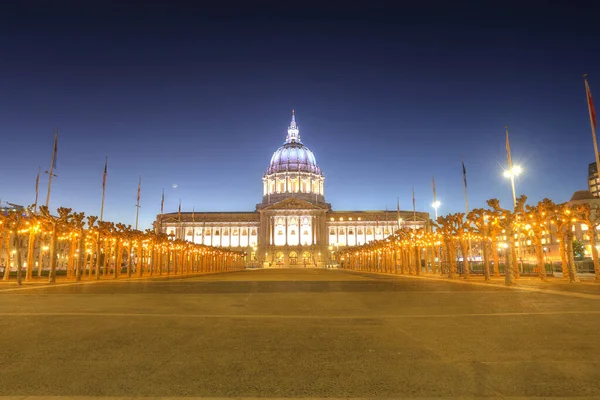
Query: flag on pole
x=413, y=199
x=590, y=103
x=433, y=186
x=179, y=211
x=105, y=173
x=465, y=172
x=162, y=202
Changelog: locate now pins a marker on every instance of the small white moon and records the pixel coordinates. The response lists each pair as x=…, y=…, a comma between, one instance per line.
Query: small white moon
x=174, y=186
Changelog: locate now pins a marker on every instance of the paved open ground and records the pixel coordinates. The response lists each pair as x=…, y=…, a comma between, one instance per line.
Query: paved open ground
x=297, y=333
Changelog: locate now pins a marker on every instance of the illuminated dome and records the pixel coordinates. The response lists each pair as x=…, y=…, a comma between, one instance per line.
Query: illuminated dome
x=293, y=171
x=293, y=155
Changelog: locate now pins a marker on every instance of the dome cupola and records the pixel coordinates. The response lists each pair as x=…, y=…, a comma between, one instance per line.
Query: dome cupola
x=293, y=171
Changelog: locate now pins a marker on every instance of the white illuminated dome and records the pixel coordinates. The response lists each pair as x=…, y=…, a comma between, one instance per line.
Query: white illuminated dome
x=293, y=155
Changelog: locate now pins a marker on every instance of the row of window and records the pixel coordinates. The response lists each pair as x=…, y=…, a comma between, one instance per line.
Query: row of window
x=217, y=232
x=292, y=232
x=359, y=231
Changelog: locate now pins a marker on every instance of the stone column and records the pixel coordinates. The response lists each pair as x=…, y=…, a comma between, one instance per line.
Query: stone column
x=286, y=229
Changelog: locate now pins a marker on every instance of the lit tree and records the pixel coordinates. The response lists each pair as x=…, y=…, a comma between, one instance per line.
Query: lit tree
x=534, y=218
x=591, y=217
x=447, y=226
x=562, y=216
x=480, y=219
x=507, y=220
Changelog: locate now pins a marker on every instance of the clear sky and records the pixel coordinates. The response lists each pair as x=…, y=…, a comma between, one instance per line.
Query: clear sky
x=385, y=96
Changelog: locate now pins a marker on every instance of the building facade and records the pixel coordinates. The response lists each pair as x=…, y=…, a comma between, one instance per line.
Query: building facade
x=293, y=225
x=593, y=183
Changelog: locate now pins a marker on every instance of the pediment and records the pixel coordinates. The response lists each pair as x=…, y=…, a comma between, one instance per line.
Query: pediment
x=293, y=203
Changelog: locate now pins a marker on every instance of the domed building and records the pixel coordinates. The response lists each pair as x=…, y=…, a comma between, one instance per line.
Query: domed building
x=293, y=225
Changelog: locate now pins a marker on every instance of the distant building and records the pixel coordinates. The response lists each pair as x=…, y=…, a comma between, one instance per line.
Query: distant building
x=593, y=183
x=293, y=224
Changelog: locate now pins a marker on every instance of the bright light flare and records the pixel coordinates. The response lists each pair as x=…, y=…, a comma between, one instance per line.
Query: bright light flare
x=436, y=204
x=516, y=171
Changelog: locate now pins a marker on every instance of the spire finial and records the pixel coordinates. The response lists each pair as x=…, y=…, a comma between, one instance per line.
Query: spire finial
x=293, y=134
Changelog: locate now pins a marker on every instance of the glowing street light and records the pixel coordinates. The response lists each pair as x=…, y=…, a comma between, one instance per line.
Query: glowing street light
x=436, y=204
x=511, y=174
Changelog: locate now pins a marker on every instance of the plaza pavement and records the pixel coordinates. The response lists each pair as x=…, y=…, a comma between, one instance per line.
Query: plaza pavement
x=299, y=333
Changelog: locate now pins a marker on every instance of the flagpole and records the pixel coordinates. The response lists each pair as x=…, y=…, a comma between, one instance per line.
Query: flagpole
x=37, y=189
x=162, y=209
x=592, y=114
x=103, y=189
x=52, y=166
x=466, y=202
x=510, y=168
x=137, y=206
x=435, y=202
x=179, y=217
x=414, y=208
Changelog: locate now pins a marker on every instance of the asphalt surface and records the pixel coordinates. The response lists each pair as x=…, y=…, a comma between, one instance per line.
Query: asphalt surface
x=297, y=333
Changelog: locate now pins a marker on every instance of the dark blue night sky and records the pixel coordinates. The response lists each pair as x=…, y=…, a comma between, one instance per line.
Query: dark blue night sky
x=385, y=97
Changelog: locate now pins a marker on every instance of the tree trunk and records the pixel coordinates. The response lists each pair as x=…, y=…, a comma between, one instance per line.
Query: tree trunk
x=594, y=251
x=417, y=260
x=539, y=252
x=572, y=267
x=98, y=257
x=118, y=258
x=563, y=256
x=130, y=248
x=80, y=262
x=451, y=251
x=18, y=258
x=40, y=256
x=485, y=246
x=464, y=249
x=71, y=260
x=139, y=252
x=495, y=256
x=515, y=260
x=508, y=270
x=53, y=259
x=30, y=248
x=7, y=251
